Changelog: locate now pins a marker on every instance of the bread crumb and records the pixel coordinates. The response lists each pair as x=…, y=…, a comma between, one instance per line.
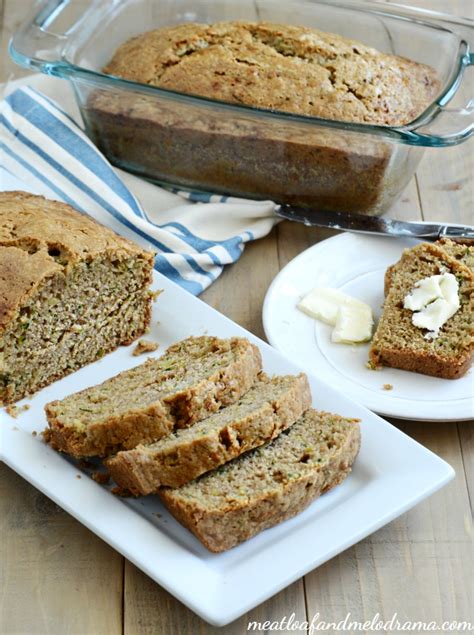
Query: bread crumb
x=121, y=491
x=155, y=294
x=101, y=477
x=371, y=366
x=144, y=346
x=78, y=476
x=14, y=411
x=387, y=387
x=34, y=433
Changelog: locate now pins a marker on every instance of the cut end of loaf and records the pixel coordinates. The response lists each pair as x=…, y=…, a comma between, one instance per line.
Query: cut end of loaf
x=71, y=290
x=76, y=316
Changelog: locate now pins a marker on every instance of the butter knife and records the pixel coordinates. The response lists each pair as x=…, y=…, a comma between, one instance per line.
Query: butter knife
x=374, y=224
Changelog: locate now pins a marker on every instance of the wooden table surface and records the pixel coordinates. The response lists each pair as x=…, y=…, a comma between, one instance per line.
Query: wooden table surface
x=57, y=577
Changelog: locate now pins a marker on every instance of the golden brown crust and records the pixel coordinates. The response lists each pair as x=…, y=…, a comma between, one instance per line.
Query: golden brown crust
x=40, y=237
x=20, y=274
x=424, y=363
x=388, y=279
x=179, y=409
x=270, y=66
x=279, y=67
x=143, y=470
x=223, y=529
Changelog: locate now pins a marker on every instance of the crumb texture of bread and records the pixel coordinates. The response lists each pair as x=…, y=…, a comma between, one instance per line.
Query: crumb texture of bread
x=191, y=380
x=267, y=485
x=71, y=290
x=400, y=344
x=268, y=408
x=279, y=67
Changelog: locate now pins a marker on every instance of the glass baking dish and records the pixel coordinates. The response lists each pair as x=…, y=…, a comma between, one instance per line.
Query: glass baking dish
x=203, y=144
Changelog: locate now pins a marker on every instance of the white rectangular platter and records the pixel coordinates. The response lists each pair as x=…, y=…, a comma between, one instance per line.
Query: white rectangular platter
x=392, y=473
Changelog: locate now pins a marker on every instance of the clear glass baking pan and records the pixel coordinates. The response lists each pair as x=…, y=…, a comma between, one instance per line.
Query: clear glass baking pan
x=202, y=144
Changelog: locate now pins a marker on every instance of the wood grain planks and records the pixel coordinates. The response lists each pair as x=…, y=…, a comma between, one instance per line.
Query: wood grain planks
x=57, y=577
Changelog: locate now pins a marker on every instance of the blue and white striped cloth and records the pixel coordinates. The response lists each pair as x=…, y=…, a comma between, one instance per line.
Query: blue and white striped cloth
x=44, y=150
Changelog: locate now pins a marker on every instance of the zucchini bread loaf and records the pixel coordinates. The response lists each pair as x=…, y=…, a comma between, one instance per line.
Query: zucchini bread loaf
x=191, y=380
x=269, y=484
x=275, y=67
x=398, y=342
x=71, y=290
x=269, y=407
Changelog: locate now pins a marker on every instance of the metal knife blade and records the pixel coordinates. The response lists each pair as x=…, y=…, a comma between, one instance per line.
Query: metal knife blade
x=374, y=224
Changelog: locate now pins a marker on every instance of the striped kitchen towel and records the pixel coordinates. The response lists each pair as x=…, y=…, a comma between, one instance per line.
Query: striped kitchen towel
x=193, y=234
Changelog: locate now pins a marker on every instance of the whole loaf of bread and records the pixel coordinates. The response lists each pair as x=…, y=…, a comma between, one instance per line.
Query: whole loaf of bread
x=239, y=151
x=279, y=67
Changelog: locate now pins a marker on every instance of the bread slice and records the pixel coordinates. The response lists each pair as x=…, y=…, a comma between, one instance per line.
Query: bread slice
x=269, y=484
x=400, y=344
x=71, y=291
x=193, y=379
x=269, y=407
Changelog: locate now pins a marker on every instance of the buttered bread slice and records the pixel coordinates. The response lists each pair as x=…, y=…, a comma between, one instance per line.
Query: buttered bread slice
x=269, y=484
x=401, y=344
x=193, y=379
x=269, y=407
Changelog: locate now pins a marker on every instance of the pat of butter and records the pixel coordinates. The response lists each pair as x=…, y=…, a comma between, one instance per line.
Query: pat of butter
x=323, y=304
x=351, y=318
x=433, y=301
x=423, y=293
x=353, y=324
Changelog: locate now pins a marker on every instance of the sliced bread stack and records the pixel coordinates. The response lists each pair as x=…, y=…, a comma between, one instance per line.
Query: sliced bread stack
x=269, y=407
x=229, y=450
x=193, y=379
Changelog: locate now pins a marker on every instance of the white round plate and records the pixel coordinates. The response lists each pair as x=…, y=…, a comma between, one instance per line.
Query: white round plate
x=355, y=264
